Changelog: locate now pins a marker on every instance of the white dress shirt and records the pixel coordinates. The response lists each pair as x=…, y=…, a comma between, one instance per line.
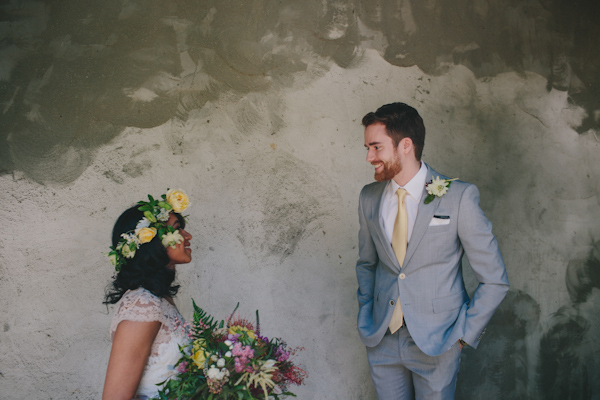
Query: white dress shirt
x=389, y=206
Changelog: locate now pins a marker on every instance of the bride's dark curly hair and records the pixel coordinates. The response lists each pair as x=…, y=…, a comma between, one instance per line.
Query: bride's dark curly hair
x=148, y=269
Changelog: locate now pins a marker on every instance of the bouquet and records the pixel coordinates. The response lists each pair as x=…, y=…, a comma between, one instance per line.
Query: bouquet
x=231, y=361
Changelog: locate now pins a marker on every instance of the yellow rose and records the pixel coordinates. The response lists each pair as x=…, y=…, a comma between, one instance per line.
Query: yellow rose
x=145, y=234
x=178, y=200
x=199, y=344
x=199, y=355
x=199, y=358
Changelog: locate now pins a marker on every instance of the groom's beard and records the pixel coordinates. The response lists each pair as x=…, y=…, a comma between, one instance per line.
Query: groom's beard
x=390, y=170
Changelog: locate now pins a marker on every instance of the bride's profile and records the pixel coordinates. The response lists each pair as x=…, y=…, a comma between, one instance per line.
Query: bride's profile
x=148, y=240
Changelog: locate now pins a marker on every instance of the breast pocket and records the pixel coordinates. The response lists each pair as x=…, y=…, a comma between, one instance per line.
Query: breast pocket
x=439, y=223
x=431, y=230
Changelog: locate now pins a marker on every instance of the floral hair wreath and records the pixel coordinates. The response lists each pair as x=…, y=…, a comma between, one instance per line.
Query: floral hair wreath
x=156, y=214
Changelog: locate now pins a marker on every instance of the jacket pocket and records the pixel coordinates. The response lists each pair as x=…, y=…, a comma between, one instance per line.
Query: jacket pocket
x=432, y=229
x=448, y=303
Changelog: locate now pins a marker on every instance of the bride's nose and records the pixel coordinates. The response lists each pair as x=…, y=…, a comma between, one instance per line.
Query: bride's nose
x=186, y=234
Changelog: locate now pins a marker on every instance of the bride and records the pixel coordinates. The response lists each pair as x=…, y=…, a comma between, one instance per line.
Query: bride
x=148, y=240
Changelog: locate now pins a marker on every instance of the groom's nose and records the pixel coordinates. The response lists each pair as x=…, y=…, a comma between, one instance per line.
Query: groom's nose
x=370, y=156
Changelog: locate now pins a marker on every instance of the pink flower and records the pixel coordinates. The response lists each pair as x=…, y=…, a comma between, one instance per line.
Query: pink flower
x=182, y=367
x=242, y=355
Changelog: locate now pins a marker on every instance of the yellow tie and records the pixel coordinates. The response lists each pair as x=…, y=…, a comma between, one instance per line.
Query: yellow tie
x=399, y=240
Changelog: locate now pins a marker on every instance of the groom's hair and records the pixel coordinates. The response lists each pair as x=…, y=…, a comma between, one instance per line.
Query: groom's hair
x=401, y=121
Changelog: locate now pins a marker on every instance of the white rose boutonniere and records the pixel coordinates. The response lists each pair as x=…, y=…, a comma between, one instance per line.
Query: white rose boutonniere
x=437, y=187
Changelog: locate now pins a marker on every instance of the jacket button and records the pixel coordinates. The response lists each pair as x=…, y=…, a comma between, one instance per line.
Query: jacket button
x=402, y=276
x=392, y=302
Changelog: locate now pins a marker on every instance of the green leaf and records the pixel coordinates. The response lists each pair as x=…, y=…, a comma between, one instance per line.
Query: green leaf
x=201, y=315
x=429, y=199
x=165, y=205
x=145, y=207
x=149, y=216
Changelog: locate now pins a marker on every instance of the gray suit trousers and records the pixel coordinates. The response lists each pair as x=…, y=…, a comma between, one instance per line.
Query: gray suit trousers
x=401, y=371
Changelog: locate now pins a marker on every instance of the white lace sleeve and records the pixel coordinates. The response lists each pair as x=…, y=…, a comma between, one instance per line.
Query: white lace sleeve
x=137, y=305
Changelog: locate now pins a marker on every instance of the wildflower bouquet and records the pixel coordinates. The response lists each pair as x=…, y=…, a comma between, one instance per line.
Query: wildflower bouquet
x=232, y=361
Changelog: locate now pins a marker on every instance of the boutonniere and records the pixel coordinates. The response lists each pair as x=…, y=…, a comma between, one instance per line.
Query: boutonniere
x=437, y=187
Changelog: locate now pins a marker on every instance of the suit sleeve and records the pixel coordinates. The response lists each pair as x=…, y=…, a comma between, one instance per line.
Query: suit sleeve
x=481, y=248
x=366, y=265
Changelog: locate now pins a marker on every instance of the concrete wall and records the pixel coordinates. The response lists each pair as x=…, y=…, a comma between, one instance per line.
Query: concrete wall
x=254, y=108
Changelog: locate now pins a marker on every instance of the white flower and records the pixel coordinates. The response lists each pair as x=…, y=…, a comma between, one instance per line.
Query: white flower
x=269, y=364
x=216, y=374
x=131, y=238
x=144, y=223
x=228, y=354
x=438, y=187
x=213, y=358
x=212, y=372
x=127, y=252
x=228, y=343
x=113, y=259
x=163, y=215
x=221, y=363
x=172, y=239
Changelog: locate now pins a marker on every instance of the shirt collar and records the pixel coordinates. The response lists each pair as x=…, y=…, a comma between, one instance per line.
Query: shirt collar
x=415, y=186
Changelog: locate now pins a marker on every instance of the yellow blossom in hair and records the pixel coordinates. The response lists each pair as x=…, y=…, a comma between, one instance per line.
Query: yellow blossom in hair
x=178, y=200
x=145, y=234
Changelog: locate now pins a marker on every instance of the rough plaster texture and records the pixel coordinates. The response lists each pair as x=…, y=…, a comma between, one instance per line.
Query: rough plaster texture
x=254, y=108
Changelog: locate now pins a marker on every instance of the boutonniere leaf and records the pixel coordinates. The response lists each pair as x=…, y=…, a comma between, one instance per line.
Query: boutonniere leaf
x=437, y=187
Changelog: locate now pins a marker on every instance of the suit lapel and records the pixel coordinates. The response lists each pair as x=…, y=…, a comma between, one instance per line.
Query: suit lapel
x=377, y=203
x=424, y=215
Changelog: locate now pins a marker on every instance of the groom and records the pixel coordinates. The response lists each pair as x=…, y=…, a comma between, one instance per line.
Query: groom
x=414, y=314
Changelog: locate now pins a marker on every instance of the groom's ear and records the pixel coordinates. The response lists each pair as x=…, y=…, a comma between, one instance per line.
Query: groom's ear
x=406, y=145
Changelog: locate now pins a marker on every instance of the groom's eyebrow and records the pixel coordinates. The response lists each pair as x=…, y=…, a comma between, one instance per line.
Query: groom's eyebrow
x=372, y=144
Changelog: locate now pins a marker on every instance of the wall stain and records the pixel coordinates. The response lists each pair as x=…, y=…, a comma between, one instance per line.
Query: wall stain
x=568, y=361
x=519, y=359
x=290, y=201
x=77, y=73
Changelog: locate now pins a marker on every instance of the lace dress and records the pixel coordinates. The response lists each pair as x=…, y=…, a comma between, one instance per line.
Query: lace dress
x=142, y=306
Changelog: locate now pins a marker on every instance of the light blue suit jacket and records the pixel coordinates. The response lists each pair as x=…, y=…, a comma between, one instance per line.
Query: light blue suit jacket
x=437, y=309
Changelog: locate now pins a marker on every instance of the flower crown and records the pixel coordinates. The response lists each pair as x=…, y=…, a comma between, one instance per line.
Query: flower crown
x=156, y=214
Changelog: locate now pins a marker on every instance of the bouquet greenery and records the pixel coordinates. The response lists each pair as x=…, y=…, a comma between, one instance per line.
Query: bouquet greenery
x=231, y=360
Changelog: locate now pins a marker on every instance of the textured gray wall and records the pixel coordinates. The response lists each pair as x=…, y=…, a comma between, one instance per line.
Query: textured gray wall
x=254, y=108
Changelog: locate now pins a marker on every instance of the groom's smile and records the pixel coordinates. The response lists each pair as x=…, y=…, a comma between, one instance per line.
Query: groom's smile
x=381, y=152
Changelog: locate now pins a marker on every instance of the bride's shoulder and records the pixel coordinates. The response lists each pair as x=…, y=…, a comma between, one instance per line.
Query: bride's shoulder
x=138, y=305
x=139, y=298
x=140, y=293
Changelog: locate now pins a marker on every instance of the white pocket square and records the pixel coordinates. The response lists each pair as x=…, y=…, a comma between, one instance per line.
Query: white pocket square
x=440, y=220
